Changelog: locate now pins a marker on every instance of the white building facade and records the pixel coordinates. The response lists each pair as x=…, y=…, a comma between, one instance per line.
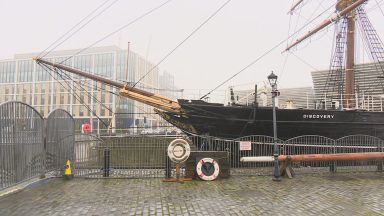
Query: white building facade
x=22, y=79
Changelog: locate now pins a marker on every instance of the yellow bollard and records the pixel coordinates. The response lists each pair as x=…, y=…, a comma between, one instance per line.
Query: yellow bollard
x=68, y=171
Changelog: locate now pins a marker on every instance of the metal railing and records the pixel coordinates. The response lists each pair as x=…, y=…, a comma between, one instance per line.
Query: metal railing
x=21, y=143
x=372, y=103
x=311, y=144
x=145, y=156
x=59, y=140
x=128, y=157
x=29, y=148
x=326, y=101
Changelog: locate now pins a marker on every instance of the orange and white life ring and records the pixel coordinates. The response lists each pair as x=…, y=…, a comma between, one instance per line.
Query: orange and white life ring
x=207, y=169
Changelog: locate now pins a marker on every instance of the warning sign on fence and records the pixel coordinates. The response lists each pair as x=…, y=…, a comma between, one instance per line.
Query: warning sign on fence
x=245, y=146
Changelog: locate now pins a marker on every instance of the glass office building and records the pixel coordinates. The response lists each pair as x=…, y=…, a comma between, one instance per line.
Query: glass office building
x=21, y=79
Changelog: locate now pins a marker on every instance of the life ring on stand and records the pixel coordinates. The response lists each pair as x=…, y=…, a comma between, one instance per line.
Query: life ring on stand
x=179, y=150
x=207, y=169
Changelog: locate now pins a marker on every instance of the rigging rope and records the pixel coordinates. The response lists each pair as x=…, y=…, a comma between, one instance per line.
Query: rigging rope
x=183, y=41
x=70, y=35
x=119, y=29
x=48, y=69
x=378, y=5
x=257, y=59
x=81, y=84
x=286, y=57
x=246, y=67
x=333, y=55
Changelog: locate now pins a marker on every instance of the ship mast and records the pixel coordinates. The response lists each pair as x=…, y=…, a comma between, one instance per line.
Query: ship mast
x=350, y=55
x=345, y=8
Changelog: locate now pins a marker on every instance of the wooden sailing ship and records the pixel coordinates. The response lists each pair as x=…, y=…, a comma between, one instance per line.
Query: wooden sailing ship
x=226, y=121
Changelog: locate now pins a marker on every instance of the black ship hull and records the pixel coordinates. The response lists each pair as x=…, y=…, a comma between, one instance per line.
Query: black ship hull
x=217, y=120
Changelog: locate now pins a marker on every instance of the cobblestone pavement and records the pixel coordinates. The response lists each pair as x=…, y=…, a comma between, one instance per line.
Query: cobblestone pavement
x=339, y=194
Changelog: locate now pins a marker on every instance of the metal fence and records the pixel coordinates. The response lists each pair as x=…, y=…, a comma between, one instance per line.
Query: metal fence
x=60, y=139
x=263, y=146
x=29, y=148
x=88, y=155
x=127, y=157
x=21, y=143
x=145, y=156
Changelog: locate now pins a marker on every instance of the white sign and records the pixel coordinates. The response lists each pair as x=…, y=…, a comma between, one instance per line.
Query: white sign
x=245, y=146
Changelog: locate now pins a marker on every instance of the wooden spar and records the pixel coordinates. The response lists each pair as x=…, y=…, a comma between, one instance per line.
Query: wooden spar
x=327, y=22
x=81, y=73
x=335, y=157
x=295, y=5
x=155, y=100
x=319, y=157
x=148, y=98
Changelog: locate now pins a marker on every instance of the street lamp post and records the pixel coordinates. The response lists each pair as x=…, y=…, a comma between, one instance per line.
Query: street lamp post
x=272, y=78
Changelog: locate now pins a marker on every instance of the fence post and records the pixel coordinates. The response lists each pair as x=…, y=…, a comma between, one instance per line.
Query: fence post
x=380, y=162
x=167, y=166
x=106, y=162
x=332, y=166
x=44, y=155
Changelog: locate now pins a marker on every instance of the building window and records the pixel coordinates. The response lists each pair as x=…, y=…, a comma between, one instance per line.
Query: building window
x=25, y=71
x=61, y=98
x=82, y=98
x=103, y=97
x=102, y=113
x=81, y=112
x=43, y=99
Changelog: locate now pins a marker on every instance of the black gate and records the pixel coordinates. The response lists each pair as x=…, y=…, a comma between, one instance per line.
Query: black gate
x=21, y=143
x=60, y=140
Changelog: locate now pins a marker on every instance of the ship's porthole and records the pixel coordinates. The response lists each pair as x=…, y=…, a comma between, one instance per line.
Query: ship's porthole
x=207, y=169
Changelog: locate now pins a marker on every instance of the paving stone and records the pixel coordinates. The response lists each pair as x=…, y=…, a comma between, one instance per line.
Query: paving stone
x=333, y=194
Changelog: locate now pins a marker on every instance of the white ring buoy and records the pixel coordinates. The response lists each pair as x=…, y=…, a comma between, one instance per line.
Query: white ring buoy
x=207, y=169
x=178, y=150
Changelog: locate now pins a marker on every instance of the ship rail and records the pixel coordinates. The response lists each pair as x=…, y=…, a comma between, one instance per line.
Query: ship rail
x=307, y=100
x=366, y=102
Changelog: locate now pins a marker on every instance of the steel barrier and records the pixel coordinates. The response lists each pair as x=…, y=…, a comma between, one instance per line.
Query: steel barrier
x=145, y=156
x=29, y=149
x=88, y=155
x=21, y=143
x=59, y=139
x=311, y=144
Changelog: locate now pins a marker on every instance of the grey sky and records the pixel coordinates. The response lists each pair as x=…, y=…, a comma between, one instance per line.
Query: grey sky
x=237, y=35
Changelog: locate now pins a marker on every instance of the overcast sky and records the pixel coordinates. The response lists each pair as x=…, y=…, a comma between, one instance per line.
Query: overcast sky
x=240, y=33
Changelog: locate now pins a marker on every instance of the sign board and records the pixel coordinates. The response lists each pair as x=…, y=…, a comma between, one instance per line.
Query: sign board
x=245, y=146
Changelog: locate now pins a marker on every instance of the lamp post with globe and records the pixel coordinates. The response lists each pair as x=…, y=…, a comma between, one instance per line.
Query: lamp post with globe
x=272, y=78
